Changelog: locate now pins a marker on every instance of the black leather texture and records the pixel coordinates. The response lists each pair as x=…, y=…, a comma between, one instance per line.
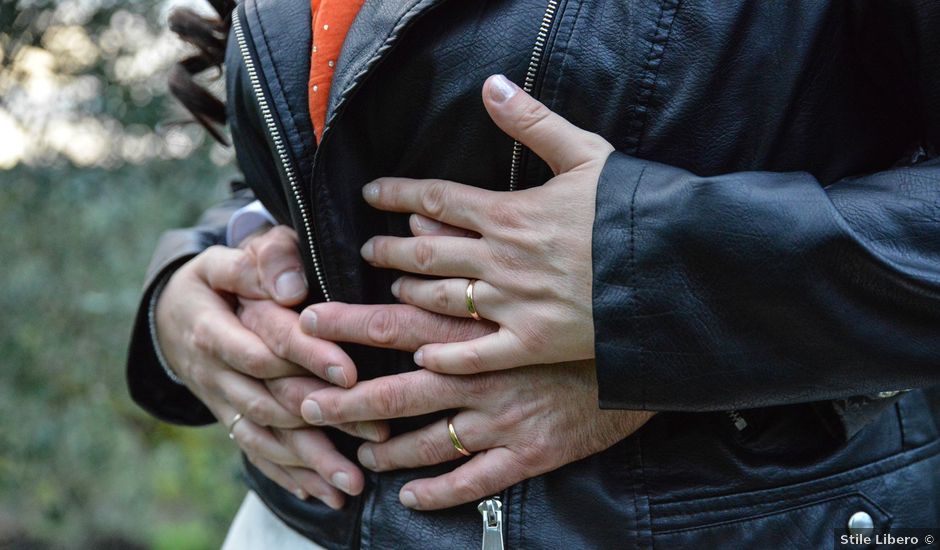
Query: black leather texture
x=767, y=239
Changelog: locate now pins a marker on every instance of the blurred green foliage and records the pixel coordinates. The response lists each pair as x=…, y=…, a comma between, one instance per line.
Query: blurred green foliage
x=89, y=179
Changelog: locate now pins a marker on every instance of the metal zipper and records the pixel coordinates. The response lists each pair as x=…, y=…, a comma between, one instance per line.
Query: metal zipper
x=535, y=61
x=280, y=147
x=492, y=511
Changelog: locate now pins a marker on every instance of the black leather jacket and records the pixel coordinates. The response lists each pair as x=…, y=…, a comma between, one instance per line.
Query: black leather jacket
x=766, y=249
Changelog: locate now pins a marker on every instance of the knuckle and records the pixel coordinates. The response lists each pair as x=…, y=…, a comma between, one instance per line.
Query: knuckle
x=504, y=214
x=202, y=336
x=510, y=257
x=534, y=337
x=283, y=233
x=254, y=363
x=382, y=327
x=285, y=342
x=390, y=399
x=467, y=488
x=531, y=115
x=530, y=459
x=428, y=451
x=250, y=443
x=424, y=255
x=258, y=411
x=433, y=199
x=472, y=361
x=441, y=297
x=478, y=387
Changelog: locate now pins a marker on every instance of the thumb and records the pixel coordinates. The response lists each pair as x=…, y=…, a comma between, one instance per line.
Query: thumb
x=559, y=143
x=279, y=265
x=229, y=270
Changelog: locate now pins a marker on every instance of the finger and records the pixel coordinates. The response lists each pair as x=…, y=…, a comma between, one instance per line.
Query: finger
x=313, y=484
x=280, y=268
x=279, y=475
x=487, y=473
x=441, y=256
x=290, y=392
x=421, y=225
x=320, y=455
x=253, y=400
x=278, y=328
x=407, y=394
x=446, y=201
x=449, y=297
x=230, y=270
x=496, y=351
x=222, y=335
x=258, y=441
x=401, y=327
x=559, y=143
x=429, y=445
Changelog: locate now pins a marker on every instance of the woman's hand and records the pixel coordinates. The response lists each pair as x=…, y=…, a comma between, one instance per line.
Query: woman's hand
x=520, y=423
x=530, y=250
x=230, y=369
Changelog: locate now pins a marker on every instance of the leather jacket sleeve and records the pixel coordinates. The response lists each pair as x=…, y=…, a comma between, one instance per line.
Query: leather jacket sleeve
x=756, y=289
x=149, y=385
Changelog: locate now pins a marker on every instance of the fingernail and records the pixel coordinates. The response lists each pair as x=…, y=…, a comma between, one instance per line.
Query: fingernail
x=337, y=376
x=367, y=458
x=290, y=284
x=409, y=499
x=367, y=251
x=300, y=493
x=308, y=321
x=419, y=358
x=340, y=480
x=310, y=410
x=426, y=225
x=501, y=89
x=395, y=286
x=368, y=431
x=371, y=192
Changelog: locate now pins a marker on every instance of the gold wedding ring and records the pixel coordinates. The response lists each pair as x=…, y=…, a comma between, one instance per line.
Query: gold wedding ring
x=231, y=425
x=456, y=440
x=471, y=306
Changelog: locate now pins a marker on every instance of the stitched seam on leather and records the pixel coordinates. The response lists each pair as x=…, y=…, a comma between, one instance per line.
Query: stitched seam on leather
x=647, y=83
x=715, y=525
x=647, y=511
x=634, y=306
x=855, y=475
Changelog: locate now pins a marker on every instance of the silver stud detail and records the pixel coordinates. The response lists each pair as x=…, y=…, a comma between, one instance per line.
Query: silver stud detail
x=861, y=524
x=326, y=27
x=315, y=88
x=331, y=63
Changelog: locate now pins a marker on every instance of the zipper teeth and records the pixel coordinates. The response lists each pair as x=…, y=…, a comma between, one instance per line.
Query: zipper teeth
x=280, y=147
x=534, y=61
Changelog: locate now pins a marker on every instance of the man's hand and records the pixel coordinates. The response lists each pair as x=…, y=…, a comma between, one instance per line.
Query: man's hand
x=520, y=423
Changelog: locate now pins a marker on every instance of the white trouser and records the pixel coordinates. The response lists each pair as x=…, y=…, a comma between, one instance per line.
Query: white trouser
x=257, y=528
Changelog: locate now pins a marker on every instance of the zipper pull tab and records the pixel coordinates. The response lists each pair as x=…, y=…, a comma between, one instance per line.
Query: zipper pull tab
x=492, y=511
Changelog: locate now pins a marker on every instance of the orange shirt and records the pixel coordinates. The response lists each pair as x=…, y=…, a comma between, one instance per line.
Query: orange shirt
x=331, y=22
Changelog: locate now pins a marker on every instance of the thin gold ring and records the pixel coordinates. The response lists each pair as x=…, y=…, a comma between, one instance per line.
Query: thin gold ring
x=471, y=305
x=456, y=440
x=231, y=425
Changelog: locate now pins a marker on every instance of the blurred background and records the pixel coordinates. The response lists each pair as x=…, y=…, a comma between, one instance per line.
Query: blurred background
x=94, y=164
